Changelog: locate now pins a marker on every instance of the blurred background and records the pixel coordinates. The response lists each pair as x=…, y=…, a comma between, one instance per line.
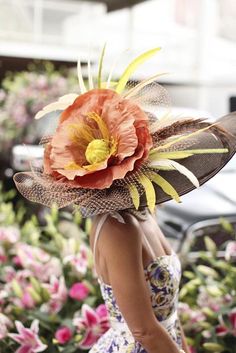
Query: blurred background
x=40, y=43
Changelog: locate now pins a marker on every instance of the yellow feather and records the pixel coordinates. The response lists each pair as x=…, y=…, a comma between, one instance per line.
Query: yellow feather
x=101, y=124
x=165, y=186
x=155, y=155
x=169, y=155
x=100, y=66
x=134, y=195
x=79, y=133
x=80, y=78
x=132, y=67
x=149, y=191
x=184, y=137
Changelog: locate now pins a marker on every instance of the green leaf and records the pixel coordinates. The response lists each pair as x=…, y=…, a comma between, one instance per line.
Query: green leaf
x=183, y=292
x=17, y=288
x=210, y=245
x=208, y=312
x=213, y=347
x=226, y=225
x=35, y=284
x=132, y=67
x=70, y=349
x=189, y=274
x=214, y=291
x=100, y=66
x=207, y=271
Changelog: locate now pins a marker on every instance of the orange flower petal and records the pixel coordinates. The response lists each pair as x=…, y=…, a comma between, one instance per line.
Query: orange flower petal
x=127, y=125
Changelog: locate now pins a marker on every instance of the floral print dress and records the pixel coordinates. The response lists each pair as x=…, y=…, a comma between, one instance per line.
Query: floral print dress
x=163, y=277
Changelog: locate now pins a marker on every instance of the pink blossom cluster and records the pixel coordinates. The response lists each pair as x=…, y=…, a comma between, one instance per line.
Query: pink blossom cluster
x=205, y=300
x=192, y=316
x=22, y=96
x=31, y=279
x=29, y=92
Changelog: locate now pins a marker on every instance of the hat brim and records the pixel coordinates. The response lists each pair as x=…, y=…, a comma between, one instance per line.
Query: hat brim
x=203, y=166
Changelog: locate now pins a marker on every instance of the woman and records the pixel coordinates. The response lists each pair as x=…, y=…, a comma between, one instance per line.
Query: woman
x=139, y=276
x=115, y=160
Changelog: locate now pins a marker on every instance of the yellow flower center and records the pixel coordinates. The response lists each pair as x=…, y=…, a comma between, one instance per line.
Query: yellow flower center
x=97, y=151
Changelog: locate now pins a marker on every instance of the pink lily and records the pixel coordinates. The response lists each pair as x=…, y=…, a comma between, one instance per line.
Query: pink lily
x=28, y=338
x=230, y=250
x=39, y=262
x=5, y=323
x=58, y=295
x=192, y=350
x=3, y=257
x=79, y=260
x=92, y=324
x=223, y=329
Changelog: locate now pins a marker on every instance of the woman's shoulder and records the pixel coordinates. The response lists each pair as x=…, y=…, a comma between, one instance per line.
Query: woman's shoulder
x=118, y=231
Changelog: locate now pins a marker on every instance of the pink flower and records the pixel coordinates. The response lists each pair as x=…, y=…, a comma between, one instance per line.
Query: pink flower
x=16, y=261
x=3, y=257
x=79, y=260
x=27, y=301
x=9, y=274
x=230, y=250
x=206, y=300
x=223, y=328
x=193, y=315
x=101, y=310
x=63, y=334
x=79, y=291
x=9, y=234
x=5, y=323
x=232, y=317
x=58, y=293
x=91, y=325
x=40, y=263
x=28, y=338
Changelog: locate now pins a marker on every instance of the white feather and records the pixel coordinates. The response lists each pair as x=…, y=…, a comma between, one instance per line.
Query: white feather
x=62, y=103
x=90, y=77
x=179, y=167
x=80, y=78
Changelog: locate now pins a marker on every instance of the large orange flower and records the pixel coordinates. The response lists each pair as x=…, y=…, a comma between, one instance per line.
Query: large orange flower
x=100, y=138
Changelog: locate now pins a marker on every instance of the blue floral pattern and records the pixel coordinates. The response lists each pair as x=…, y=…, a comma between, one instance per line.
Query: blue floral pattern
x=163, y=278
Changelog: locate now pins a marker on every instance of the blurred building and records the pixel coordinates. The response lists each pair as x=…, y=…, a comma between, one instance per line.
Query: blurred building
x=197, y=36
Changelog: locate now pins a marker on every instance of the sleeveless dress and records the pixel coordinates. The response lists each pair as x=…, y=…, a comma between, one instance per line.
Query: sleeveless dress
x=163, y=278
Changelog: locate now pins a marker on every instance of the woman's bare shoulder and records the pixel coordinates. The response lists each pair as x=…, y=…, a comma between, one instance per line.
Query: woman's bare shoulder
x=119, y=236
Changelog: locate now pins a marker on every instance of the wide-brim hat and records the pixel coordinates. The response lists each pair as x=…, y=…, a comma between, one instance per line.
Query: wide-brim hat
x=117, y=148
